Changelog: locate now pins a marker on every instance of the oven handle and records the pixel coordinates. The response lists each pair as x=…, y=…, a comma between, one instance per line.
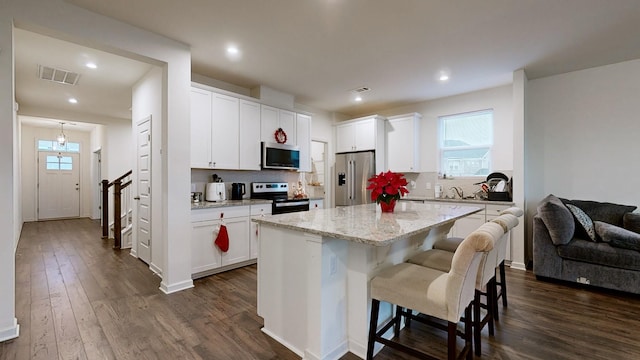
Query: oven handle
x=290, y=203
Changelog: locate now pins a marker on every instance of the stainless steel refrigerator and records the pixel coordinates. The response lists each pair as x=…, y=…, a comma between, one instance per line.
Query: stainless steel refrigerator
x=352, y=172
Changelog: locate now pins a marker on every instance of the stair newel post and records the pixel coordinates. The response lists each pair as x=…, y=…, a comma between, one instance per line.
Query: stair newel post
x=105, y=209
x=117, y=212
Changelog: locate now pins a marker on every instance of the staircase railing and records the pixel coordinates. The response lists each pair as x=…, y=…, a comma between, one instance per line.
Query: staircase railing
x=118, y=187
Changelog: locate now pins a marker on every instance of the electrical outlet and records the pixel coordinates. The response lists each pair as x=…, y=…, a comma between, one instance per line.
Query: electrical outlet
x=413, y=184
x=428, y=186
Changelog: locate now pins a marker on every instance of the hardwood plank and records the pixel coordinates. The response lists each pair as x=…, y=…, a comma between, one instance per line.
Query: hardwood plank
x=76, y=295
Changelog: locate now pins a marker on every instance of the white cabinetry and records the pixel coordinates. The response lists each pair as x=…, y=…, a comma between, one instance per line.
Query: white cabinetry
x=200, y=128
x=403, y=145
x=206, y=257
x=249, y=135
x=225, y=126
x=303, y=138
x=316, y=204
x=274, y=118
x=363, y=134
x=257, y=211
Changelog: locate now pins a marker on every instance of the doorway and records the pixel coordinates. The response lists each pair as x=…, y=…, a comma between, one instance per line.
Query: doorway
x=58, y=185
x=96, y=179
x=316, y=179
x=143, y=197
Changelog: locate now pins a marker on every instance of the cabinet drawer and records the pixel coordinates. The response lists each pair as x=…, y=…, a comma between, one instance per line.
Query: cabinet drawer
x=494, y=210
x=214, y=214
x=263, y=209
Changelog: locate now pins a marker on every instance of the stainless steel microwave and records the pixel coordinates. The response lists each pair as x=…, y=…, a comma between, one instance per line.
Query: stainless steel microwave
x=280, y=156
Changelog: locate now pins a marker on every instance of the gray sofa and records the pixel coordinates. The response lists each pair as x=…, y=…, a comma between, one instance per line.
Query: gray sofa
x=597, y=243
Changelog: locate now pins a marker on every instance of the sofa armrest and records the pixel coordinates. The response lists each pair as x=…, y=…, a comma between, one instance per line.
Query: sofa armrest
x=546, y=261
x=631, y=222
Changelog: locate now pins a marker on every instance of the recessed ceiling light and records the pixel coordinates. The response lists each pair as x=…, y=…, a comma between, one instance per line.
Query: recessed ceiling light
x=443, y=77
x=233, y=53
x=358, y=98
x=232, y=50
x=91, y=65
x=73, y=100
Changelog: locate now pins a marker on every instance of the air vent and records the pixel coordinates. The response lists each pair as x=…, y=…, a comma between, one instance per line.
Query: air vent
x=57, y=75
x=361, y=89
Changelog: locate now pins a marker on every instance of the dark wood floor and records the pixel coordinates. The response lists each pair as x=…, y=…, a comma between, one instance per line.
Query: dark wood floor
x=76, y=298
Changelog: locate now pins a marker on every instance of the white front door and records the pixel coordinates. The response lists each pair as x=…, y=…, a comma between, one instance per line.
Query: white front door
x=58, y=185
x=143, y=131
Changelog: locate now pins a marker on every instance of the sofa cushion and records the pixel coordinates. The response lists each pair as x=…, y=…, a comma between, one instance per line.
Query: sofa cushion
x=617, y=236
x=600, y=253
x=631, y=222
x=602, y=211
x=585, y=225
x=557, y=218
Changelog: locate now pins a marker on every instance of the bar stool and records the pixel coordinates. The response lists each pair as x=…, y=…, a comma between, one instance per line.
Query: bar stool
x=502, y=282
x=485, y=279
x=442, y=295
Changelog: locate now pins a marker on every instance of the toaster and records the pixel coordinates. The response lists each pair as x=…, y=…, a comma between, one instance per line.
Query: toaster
x=215, y=191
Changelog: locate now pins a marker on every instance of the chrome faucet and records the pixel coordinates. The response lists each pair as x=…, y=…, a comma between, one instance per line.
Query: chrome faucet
x=458, y=191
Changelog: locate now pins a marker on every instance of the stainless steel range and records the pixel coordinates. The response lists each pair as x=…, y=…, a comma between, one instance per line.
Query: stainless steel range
x=279, y=193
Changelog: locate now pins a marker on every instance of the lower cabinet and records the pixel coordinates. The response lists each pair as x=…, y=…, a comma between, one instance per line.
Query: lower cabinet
x=256, y=211
x=316, y=204
x=206, y=257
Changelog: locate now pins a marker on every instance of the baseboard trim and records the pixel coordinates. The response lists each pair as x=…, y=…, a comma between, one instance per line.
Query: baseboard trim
x=171, y=288
x=11, y=332
x=281, y=341
x=518, y=266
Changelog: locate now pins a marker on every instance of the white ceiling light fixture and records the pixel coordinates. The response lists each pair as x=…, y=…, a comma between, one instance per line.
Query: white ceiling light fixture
x=233, y=53
x=62, y=139
x=91, y=65
x=357, y=93
x=73, y=100
x=443, y=76
x=358, y=98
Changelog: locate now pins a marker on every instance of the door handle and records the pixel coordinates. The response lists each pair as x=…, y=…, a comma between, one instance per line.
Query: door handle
x=136, y=198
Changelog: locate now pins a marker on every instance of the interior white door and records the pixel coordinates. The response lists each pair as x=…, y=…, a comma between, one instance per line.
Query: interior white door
x=143, y=231
x=58, y=185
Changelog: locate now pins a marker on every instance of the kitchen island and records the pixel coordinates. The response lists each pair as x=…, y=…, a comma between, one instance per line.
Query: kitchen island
x=314, y=269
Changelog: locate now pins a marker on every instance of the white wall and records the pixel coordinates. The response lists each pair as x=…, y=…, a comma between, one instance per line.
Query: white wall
x=147, y=101
x=29, y=167
x=583, y=128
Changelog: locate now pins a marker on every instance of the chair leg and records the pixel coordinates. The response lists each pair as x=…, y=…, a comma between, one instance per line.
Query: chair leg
x=373, y=324
x=452, y=333
x=396, y=326
x=476, y=322
x=468, y=342
x=503, y=284
x=491, y=301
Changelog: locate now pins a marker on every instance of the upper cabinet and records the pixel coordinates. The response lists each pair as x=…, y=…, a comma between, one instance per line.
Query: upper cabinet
x=303, y=137
x=363, y=134
x=249, y=135
x=226, y=131
x=272, y=119
x=403, y=146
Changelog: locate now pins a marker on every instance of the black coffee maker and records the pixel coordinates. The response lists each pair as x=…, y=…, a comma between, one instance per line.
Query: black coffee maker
x=237, y=191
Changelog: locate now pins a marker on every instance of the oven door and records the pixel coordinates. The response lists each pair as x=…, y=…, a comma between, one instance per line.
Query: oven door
x=289, y=206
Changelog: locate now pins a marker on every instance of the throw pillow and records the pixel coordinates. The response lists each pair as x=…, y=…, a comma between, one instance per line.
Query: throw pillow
x=584, y=221
x=631, y=222
x=602, y=211
x=558, y=220
x=617, y=236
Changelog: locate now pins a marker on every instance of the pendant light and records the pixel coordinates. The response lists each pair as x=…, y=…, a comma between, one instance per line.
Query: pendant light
x=62, y=139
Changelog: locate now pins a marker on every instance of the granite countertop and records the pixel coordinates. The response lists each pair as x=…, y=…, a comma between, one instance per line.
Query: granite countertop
x=466, y=201
x=216, y=204
x=367, y=224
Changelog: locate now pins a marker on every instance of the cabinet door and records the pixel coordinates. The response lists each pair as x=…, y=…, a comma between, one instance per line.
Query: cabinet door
x=268, y=123
x=225, y=132
x=287, y=121
x=402, y=147
x=345, y=137
x=468, y=224
x=205, y=255
x=200, y=128
x=249, y=135
x=256, y=211
x=238, y=229
x=303, y=136
x=365, y=135
x=316, y=204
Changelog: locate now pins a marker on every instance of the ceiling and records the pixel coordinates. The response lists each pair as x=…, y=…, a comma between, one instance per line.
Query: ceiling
x=320, y=50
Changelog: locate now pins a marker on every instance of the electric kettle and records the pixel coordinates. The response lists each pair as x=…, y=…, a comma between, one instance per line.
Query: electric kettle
x=237, y=191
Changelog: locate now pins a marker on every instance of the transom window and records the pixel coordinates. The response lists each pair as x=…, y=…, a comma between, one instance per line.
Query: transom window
x=52, y=145
x=465, y=143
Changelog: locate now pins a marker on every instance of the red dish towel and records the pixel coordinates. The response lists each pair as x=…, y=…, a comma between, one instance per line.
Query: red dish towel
x=222, y=239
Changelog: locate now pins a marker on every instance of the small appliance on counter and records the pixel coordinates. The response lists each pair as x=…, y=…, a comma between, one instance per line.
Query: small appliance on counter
x=237, y=191
x=215, y=191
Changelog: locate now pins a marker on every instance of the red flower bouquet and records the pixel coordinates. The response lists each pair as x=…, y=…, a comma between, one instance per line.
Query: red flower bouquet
x=387, y=187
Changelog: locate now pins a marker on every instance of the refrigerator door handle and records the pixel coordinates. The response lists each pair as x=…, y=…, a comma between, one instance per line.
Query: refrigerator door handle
x=349, y=182
x=353, y=182
x=364, y=182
